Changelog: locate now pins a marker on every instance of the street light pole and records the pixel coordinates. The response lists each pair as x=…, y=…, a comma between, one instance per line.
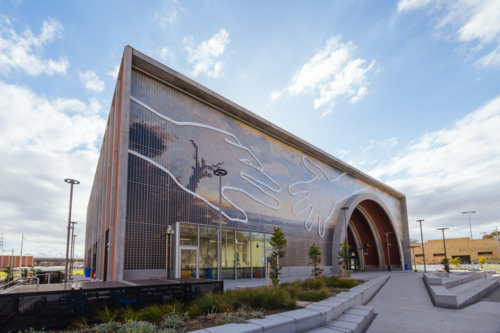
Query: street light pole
x=422, y=236
x=71, y=248
x=498, y=242
x=389, y=268
x=444, y=241
x=72, y=182
x=220, y=173
x=21, y=254
x=470, y=226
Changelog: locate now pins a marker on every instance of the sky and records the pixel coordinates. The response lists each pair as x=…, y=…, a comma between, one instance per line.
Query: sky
x=407, y=91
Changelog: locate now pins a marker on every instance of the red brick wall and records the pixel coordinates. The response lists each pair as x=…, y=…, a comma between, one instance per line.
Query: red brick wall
x=383, y=224
x=27, y=261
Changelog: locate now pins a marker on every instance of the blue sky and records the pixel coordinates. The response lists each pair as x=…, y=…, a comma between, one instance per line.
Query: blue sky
x=407, y=91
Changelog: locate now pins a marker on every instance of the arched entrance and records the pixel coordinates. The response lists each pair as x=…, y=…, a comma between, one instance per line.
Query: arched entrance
x=368, y=219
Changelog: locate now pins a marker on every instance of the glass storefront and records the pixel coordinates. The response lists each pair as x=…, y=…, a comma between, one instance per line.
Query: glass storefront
x=258, y=255
x=208, y=253
x=228, y=258
x=243, y=254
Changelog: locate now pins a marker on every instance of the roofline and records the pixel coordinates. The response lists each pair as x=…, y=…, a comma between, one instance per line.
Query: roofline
x=193, y=88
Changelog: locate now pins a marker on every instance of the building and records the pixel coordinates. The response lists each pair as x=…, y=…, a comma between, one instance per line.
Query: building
x=469, y=250
x=15, y=260
x=56, y=262
x=154, y=205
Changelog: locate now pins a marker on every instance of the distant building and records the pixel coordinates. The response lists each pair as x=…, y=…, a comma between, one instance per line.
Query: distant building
x=14, y=261
x=467, y=249
x=50, y=262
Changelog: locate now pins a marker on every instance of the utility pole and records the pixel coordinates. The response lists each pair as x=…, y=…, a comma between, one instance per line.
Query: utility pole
x=470, y=226
x=21, y=254
x=72, y=182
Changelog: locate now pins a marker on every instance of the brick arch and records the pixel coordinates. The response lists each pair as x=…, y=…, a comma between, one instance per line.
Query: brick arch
x=379, y=219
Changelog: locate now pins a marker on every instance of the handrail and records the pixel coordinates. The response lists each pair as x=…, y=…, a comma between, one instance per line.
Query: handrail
x=24, y=279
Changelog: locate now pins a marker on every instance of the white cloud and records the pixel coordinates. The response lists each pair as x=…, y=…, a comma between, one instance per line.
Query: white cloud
x=476, y=22
x=43, y=141
x=326, y=113
x=275, y=95
x=389, y=143
x=450, y=170
x=168, y=14
x=370, y=146
x=167, y=55
x=23, y=52
x=91, y=81
x=333, y=72
x=205, y=56
x=114, y=72
x=342, y=152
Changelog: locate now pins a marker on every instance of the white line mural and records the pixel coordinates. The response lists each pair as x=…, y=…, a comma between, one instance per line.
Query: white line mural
x=317, y=217
x=264, y=188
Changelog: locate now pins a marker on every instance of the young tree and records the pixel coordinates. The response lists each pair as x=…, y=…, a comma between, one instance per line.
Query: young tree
x=278, y=242
x=456, y=261
x=10, y=272
x=446, y=263
x=343, y=256
x=315, y=256
x=482, y=261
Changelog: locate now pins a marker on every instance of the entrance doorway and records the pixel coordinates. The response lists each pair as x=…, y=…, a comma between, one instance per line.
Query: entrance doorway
x=353, y=261
x=188, y=262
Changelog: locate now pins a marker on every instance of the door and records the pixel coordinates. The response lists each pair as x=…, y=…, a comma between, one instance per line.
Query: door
x=188, y=262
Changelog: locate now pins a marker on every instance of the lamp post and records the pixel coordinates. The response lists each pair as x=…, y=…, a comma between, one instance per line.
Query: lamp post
x=220, y=173
x=21, y=254
x=72, y=182
x=389, y=268
x=422, y=236
x=470, y=226
x=444, y=241
x=71, y=248
x=72, y=256
x=414, y=261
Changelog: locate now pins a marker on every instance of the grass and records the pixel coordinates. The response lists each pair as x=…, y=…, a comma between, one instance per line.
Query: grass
x=221, y=307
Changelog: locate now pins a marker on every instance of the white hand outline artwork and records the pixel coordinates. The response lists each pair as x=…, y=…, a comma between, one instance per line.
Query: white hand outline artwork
x=245, y=176
x=317, y=217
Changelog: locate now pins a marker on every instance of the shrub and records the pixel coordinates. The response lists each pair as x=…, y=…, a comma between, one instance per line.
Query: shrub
x=314, y=295
x=212, y=302
x=335, y=282
x=290, y=303
x=152, y=313
x=174, y=320
x=313, y=284
x=134, y=326
x=194, y=309
x=111, y=326
x=173, y=307
x=273, y=299
x=233, y=319
x=106, y=315
x=129, y=314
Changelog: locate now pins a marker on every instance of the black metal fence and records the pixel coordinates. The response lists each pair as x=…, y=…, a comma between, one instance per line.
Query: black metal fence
x=57, y=305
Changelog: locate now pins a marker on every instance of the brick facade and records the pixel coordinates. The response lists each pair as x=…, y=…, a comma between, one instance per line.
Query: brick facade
x=458, y=247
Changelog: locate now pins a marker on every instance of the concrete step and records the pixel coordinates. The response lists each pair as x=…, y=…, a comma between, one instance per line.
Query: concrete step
x=477, y=292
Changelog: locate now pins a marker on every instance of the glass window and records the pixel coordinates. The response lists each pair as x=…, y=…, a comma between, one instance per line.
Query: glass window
x=188, y=234
x=258, y=256
x=208, y=253
x=268, y=240
x=227, y=260
x=243, y=256
x=188, y=264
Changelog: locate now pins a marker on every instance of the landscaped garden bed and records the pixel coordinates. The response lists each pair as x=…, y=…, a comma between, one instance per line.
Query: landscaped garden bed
x=213, y=309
